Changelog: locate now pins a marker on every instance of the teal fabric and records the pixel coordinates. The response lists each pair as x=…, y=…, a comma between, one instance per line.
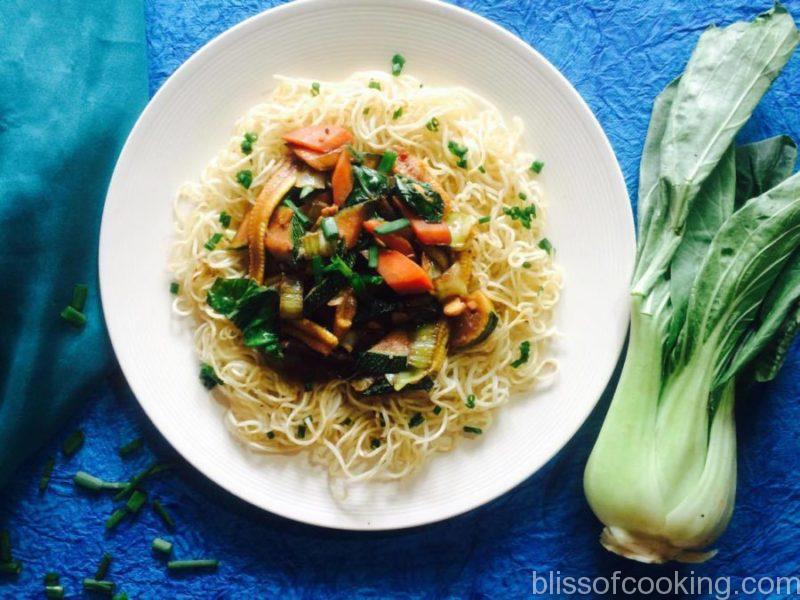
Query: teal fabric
x=73, y=78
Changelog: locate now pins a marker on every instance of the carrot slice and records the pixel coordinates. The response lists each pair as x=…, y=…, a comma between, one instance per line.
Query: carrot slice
x=342, y=179
x=278, y=240
x=393, y=241
x=276, y=187
x=322, y=138
x=321, y=161
x=402, y=274
x=430, y=234
x=349, y=222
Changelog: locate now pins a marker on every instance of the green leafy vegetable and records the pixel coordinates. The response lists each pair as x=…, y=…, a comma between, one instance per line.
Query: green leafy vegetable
x=763, y=165
x=368, y=184
x=421, y=198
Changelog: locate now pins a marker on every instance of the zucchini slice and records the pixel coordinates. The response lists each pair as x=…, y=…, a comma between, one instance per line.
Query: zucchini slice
x=475, y=324
x=321, y=293
x=390, y=355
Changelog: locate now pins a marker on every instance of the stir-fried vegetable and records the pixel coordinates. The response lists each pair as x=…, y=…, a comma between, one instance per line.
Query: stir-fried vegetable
x=402, y=274
x=320, y=138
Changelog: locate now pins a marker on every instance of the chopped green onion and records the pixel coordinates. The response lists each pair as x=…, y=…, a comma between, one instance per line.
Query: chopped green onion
x=120, y=596
x=304, y=191
x=523, y=215
x=470, y=401
x=315, y=88
x=316, y=268
x=115, y=518
x=374, y=84
x=366, y=111
x=212, y=242
x=397, y=114
x=375, y=443
x=460, y=152
x=131, y=447
x=372, y=257
x=79, y=293
x=162, y=546
x=73, y=443
x=102, y=569
x=208, y=376
x=482, y=169
x=296, y=210
x=12, y=567
x=301, y=431
x=432, y=125
x=161, y=512
x=537, y=166
x=523, y=196
x=52, y=578
x=93, y=585
x=180, y=565
x=90, y=482
x=73, y=317
x=270, y=435
x=47, y=473
x=485, y=219
x=245, y=178
x=138, y=478
x=5, y=546
x=437, y=409
x=387, y=161
x=247, y=143
x=225, y=219
x=329, y=228
x=136, y=501
x=526, y=265
x=174, y=288
x=347, y=421
x=392, y=226
x=524, y=354
x=416, y=419
x=470, y=429
x=545, y=245
x=53, y=591
x=397, y=64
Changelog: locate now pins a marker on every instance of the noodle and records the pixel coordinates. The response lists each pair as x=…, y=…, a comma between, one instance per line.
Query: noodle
x=269, y=413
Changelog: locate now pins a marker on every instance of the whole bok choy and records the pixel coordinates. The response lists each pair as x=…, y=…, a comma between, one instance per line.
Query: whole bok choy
x=714, y=297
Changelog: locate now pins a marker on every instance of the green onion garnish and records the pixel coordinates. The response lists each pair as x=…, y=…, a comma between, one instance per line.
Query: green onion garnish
x=372, y=257
x=270, y=435
x=524, y=354
x=397, y=64
x=73, y=443
x=397, y=114
x=79, y=293
x=366, y=111
x=301, y=431
x=470, y=401
x=120, y=596
x=93, y=585
x=387, y=161
x=138, y=478
x=179, y=565
x=5, y=546
x=212, y=242
x=296, y=210
x=437, y=409
x=136, y=501
x=90, y=482
x=347, y=421
x=161, y=512
x=545, y=245
x=523, y=196
x=174, y=288
x=317, y=269
x=162, y=546
x=47, y=473
x=329, y=228
x=392, y=226
x=247, y=143
x=523, y=215
x=208, y=376
x=526, y=265
x=12, y=567
x=225, y=219
x=115, y=518
x=102, y=568
x=375, y=443
x=73, y=317
x=315, y=88
x=432, y=125
x=415, y=420
x=374, y=84
x=460, y=152
x=470, y=429
x=245, y=178
x=537, y=166
x=53, y=591
x=131, y=447
x=52, y=578
x=482, y=169
x=485, y=219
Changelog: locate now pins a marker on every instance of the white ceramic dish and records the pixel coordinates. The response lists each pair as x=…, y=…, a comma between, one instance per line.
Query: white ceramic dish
x=191, y=117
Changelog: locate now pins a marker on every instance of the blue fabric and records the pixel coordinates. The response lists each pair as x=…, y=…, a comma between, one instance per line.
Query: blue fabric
x=68, y=96
x=618, y=55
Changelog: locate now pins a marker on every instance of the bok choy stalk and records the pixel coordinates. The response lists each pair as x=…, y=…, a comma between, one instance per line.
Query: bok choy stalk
x=714, y=296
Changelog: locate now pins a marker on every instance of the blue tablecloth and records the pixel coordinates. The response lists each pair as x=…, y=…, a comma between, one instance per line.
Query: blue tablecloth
x=618, y=54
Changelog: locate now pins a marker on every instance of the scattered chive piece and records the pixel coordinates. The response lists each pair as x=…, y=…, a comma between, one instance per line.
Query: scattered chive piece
x=115, y=518
x=48, y=471
x=225, y=219
x=524, y=354
x=398, y=62
x=470, y=429
x=523, y=215
x=296, y=210
x=392, y=226
x=437, y=409
x=537, y=166
x=397, y=114
x=329, y=228
x=52, y=578
x=470, y=401
x=416, y=419
x=432, y=125
x=138, y=478
x=374, y=84
x=347, y=421
x=460, y=152
x=179, y=565
x=136, y=501
x=174, y=288
x=102, y=568
x=375, y=443
x=382, y=419
x=523, y=196
x=387, y=161
x=120, y=596
x=79, y=293
x=271, y=435
x=53, y=591
x=301, y=431
x=315, y=88
x=161, y=512
x=73, y=443
x=212, y=242
x=90, y=482
x=131, y=447
x=73, y=317
x=372, y=257
x=482, y=169
x=162, y=546
x=5, y=546
x=545, y=245
x=12, y=567
x=208, y=376
x=93, y=585
x=526, y=265
x=304, y=191
x=485, y=219
x=366, y=111
x=245, y=178
x=247, y=143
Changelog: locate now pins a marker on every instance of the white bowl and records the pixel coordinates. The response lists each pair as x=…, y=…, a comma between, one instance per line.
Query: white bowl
x=192, y=116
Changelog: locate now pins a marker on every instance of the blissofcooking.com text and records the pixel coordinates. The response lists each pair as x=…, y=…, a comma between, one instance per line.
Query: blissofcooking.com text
x=555, y=583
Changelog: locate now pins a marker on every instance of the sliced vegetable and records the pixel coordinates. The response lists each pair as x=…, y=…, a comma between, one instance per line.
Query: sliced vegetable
x=321, y=161
x=291, y=298
x=280, y=237
x=475, y=324
x=420, y=198
x=329, y=229
x=314, y=243
x=321, y=293
x=349, y=222
x=344, y=313
x=430, y=234
x=382, y=387
x=390, y=355
x=455, y=280
x=429, y=346
x=313, y=335
x=320, y=138
x=342, y=179
x=460, y=226
x=402, y=274
x=369, y=184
